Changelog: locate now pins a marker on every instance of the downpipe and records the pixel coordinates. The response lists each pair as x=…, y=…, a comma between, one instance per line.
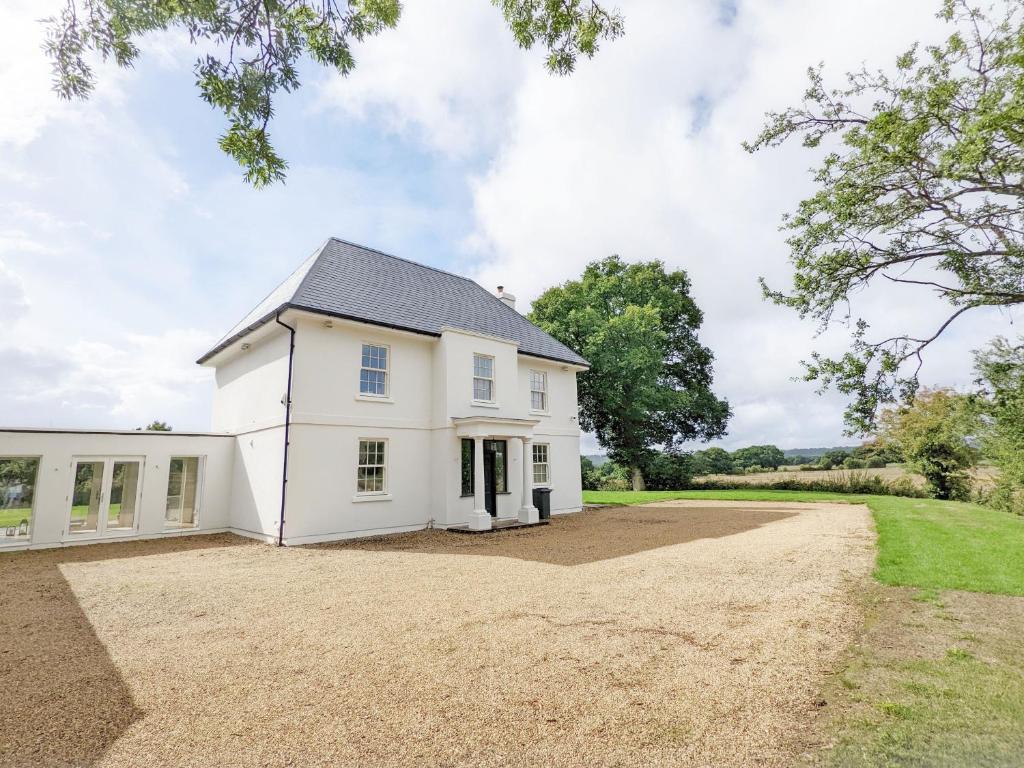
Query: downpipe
x=287, y=428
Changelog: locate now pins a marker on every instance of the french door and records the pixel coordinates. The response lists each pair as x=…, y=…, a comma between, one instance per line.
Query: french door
x=104, y=500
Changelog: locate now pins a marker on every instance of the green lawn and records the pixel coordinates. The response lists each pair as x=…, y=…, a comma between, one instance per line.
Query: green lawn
x=921, y=542
x=14, y=515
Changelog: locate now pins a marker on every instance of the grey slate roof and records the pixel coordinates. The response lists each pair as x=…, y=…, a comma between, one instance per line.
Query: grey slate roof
x=350, y=281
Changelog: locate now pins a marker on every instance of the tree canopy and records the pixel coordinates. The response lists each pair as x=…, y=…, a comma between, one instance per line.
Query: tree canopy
x=934, y=435
x=650, y=378
x=922, y=187
x=251, y=49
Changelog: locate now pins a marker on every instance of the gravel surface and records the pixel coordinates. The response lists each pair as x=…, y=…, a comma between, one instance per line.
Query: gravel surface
x=682, y=633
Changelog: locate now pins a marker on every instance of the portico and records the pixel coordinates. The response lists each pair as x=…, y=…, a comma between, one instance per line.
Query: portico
x=482, y=430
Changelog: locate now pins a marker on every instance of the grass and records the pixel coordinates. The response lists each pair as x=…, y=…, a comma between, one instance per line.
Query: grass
x=948, y=545
x=922, y=543
x=645, y=497
x=911, y=698
x=15, y=515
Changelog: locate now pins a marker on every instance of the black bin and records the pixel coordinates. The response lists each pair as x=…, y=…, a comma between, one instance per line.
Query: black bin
x=542, y=501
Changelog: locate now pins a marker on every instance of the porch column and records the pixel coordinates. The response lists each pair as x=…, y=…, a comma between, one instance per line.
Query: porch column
x=528, y=513
x=479, y=518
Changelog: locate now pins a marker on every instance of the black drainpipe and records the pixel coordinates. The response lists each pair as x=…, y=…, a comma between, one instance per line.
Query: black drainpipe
x=287, y=425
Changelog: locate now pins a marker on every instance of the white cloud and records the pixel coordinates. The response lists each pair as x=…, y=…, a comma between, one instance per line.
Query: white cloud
x=126, y=382
x=445, y=76
x=13, y=301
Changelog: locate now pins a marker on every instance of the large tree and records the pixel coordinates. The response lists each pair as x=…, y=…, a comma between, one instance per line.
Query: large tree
x=251, y=49
x=921, y=187
x=650, y=380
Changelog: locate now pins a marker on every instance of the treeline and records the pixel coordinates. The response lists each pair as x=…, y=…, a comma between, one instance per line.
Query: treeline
x=675, y=470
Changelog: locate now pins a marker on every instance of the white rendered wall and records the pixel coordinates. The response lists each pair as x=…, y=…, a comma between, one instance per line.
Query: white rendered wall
x=55, y=478
x=249, y=401
x=329, y=417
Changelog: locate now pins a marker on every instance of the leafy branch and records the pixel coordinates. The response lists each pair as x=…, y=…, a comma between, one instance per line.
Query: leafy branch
x=922, y=187
x=258, y=44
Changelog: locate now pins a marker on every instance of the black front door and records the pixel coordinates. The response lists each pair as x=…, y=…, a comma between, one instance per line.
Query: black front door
x=490, y=490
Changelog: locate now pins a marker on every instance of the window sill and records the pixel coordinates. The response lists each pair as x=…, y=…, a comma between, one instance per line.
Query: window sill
x=539, y=413
x=374, y=399
x=484, y=404
x=361, y=498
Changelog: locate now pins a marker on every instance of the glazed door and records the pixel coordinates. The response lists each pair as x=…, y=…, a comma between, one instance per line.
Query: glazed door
x=104, y=500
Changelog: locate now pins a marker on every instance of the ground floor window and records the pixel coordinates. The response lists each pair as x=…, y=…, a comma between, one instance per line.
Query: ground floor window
x=541, y=466
x=17, y=486
x=182, y=492
x=370, y=476
x=468, y=468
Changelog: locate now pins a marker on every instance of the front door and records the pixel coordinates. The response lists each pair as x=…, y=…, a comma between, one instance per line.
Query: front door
x=495, y=473
x=490, y=489
x=105, y=497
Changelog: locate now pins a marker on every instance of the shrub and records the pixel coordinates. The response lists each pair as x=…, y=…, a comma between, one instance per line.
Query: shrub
x=852, y=463
x=876, y=462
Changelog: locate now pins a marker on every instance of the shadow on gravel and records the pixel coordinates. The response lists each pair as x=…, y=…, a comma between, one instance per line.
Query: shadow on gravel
x=584, y=537
x=63, y=702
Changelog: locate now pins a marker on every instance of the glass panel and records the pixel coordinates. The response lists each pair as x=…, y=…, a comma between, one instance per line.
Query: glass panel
x=86, y=497
x=370, y=472
x=483, y=366
x=467, y=467
x=124, y=495
x=17, y=484
x=500, y=467
x=182, y=489
x=482, y=389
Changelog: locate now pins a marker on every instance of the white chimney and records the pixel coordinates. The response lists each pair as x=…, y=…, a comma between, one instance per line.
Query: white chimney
x=507, y=298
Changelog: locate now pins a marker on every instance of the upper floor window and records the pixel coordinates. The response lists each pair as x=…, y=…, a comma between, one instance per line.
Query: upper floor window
x=373, y=375
x=370, y=475
x=483, y=378
x=538, y=391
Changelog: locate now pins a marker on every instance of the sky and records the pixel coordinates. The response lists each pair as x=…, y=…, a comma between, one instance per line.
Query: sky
x=129, y=243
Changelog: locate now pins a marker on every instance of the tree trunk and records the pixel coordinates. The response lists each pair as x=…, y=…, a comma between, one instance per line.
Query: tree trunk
x=638, y=480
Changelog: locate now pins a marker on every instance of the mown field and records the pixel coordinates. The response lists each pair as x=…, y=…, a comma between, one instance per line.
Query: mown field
x=937, y=677
x=983, y=476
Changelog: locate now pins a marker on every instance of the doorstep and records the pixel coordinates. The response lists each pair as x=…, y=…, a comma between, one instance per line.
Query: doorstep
x=497, y=525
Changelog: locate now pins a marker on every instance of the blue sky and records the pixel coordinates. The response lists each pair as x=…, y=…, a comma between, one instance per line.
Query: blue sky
x=129, y=243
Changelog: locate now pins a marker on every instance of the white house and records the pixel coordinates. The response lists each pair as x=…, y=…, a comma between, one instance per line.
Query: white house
x=367, y=394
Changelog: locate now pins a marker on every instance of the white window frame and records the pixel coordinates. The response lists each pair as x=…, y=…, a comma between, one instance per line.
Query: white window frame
x=384, y=465
x=106, y=481
x=543, y=392
x=386, y=370
x=546, y=464
x=494, y=386
x=200, y=484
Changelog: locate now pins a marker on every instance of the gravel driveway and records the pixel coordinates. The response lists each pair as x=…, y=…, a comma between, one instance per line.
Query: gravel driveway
x=685, y=633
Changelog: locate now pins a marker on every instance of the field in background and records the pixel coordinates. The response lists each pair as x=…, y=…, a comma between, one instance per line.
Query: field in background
x=983, y=476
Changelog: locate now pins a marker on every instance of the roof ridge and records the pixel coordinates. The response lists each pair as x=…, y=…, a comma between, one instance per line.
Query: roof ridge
x=402, y=258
